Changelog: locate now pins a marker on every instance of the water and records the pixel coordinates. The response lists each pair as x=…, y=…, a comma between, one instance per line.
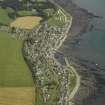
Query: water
x=95, y=6
x=92, y=45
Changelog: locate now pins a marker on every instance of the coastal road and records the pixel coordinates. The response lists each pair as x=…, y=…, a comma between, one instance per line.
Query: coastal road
x=77, y=85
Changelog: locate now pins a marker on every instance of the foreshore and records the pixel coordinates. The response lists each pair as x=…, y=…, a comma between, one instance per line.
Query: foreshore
x=89, y=71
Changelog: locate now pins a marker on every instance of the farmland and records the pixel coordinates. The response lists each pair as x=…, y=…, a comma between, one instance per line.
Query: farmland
x=17, y=96
x=16, y=83
x=13, y=69
x=27, y=22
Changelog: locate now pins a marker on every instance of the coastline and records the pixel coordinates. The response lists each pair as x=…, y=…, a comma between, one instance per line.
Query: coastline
x=65, y=77
x=89, y=71
x=91, y=74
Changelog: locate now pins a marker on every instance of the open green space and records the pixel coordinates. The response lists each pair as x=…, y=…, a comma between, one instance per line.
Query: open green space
x=4, y=16
x=13, y=69
x=58, y=19
x=25, y=13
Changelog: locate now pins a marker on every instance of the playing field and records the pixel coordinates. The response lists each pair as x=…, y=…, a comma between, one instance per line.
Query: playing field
x=16, y=83
x=27, y=22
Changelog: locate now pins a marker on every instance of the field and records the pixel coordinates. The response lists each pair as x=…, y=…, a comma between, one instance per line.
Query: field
x=17, y=96
x=27, y=22
x=13, y=69
x=25, y=13
x=4, y=18
x=58, y=19
x=16, y=83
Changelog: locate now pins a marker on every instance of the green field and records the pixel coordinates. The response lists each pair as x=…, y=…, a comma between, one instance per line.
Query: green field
x=25, y=13
x=58, y=19
x=13, y=69
x=4, y=18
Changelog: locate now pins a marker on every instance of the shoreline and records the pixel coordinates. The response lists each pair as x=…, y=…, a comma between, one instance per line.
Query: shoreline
x=45, y=59
x=89, y=71
x=78, y=80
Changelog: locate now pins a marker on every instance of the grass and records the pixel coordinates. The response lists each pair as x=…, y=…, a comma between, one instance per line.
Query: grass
x=4, y=18
x=13, y=69
x=73, y=83
x=25, y=13
x=58, y=19
x=27, y=22
x=17, y=96
x=41, y=0
x=39, y=98
x=16, y=83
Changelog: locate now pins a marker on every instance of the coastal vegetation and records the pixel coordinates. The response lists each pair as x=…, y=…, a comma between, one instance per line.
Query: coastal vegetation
x=58, y=19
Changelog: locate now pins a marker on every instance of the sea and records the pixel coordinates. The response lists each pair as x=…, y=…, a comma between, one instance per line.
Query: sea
x=92, y=44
